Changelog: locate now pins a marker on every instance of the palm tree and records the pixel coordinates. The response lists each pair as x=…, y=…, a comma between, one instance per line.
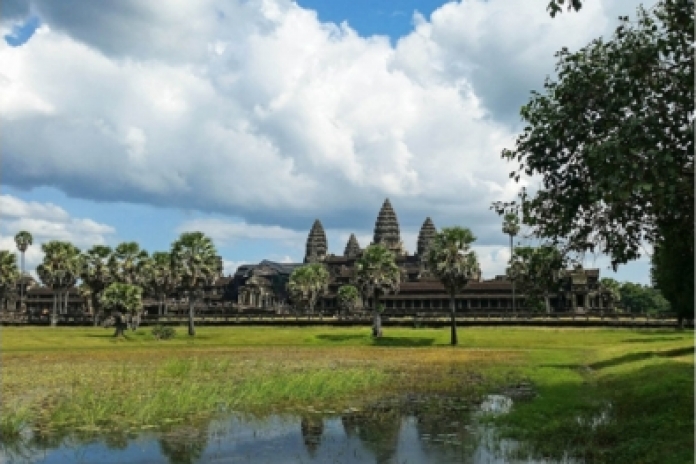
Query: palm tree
x=122, y=299
x=59, y=270
x=377, y=274
x=160, y=277
x=308, y=283
x=96, y=274
x=195, y=261
x=126, y=263
x=511, y=227
x=8, y=275
x=451, y=260
x=23, y=240
x=348, y=297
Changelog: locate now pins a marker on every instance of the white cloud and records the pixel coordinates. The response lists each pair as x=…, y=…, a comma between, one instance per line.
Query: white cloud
x=227, y=232
x=46, y=221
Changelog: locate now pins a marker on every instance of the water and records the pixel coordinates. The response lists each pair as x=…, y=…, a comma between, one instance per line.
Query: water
x=408, y=430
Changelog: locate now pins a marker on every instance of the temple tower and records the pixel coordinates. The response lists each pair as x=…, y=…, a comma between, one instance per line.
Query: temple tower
x=352, y=247
x=316, y=244
x=425, y=237
x=387, y=229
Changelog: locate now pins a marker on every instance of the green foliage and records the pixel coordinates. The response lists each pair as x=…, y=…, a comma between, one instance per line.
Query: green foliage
x=23, y=240
x=126, y=263
x=348, y=297
x=537, y=271
x=159, y=275
x=95, y=272
x=511, y=224
x=613, y=139
x=61, y=265
x=673, y=271
x=163, y=332
x=124, y=298
x=307, y=284
x=451, y=259
x=9, y=274
x=376, y=273
x=636, y=298
x=194, y=259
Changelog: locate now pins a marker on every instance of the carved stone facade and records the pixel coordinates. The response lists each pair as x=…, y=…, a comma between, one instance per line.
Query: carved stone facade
x=316, y=244
x=352, y=247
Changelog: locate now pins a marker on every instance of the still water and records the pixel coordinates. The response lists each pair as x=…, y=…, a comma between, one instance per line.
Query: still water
x=427, y=429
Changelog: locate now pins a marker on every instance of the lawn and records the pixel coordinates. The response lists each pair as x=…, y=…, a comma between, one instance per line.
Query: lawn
x=612, y=395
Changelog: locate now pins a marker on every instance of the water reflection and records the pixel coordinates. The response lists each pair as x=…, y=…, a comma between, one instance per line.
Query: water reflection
x=414, y=429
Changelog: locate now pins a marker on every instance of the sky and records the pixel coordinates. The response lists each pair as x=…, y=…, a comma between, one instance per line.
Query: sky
x=126, y=120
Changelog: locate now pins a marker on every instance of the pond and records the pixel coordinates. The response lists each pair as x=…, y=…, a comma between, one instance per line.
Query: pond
x=409, y=429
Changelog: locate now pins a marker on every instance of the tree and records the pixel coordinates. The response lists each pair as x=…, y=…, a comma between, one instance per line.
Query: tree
x=637, y=298
x=96, y=273
x=539, y=271
x=121, y=300
x=377, y=274
x=451, y=260
x=60, y=270
x=9, y=274
x=348, y=298
x=126, y=263
x=307, y=284
x=511, y=226
x=612, y=290
x=195, y=262
x=160, y=277
x=23, y=240
x=673, y=271
x=613, y=142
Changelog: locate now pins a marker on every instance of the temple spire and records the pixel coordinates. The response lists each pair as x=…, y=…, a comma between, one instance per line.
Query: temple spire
x=387, y=229
x=352, y=247
x=316, y=248
x=425, y=237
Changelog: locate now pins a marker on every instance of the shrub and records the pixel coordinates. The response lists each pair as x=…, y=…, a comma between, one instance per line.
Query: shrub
x=163, y=332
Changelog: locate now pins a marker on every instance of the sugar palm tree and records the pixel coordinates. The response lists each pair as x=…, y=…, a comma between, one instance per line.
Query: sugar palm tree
x=60, y=271
x=511, y=227
x=377, y=274
x=161, y=278
x=451, y=260
x=126, y=263
x=96, y=274
x=121, y=299
x=308, y=283
x=8, y=275
x=195, y=262
x=23, y=240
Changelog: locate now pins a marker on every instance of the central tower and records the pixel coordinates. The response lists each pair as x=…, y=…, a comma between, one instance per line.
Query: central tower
x=387, y=229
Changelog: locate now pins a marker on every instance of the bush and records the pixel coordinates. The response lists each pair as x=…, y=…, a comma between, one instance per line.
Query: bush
x=163, y=332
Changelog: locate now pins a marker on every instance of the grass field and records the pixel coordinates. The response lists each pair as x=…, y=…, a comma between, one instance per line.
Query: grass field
x=609, y=395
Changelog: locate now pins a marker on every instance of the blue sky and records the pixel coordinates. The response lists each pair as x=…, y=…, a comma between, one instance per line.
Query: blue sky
x=248, y=120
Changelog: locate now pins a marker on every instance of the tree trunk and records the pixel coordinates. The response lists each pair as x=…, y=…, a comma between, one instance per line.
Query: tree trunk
x=21, y=286
x=376, y=319
x=54, y=316
x=67, y=299
x=120, y=323
x=191, y=328
x=548, y=304
x=514, y=310
x=453, y=320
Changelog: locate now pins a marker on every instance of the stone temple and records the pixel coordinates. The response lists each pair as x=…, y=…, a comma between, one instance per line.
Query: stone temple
x=263, y=285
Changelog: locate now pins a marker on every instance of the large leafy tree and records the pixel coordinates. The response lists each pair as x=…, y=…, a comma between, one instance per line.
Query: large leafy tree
x=59, y=270
x=348, y=298
x=9, y=274
x=195, y=262
x=377, y=274
x=122, y=299
x=451, y=259
x=637, y=298
x=612, y=140
x=538, y=270
x=673, y=272
x=23, y=240
x=96, y=273
x=307, y=284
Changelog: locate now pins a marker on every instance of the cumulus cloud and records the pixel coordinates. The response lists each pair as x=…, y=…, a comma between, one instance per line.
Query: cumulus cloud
x=227, y=232
x=46, y=221
x=257, y=110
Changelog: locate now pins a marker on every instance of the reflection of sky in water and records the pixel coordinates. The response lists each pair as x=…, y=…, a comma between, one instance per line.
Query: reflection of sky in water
x=410, y=439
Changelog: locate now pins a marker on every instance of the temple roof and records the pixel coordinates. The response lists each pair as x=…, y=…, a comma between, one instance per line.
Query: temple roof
x=316, y=243
x=352, y=247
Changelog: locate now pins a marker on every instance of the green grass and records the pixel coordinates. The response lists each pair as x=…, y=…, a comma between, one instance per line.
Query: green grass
x=643, y=380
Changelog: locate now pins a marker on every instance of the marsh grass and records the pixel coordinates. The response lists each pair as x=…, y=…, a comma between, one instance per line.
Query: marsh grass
x=605, y=395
